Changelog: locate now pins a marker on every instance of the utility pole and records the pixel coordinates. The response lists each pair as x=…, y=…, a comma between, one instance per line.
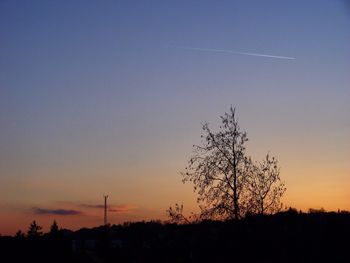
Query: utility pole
x=105, y=218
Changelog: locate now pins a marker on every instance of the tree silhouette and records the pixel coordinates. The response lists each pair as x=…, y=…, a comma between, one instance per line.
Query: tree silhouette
x=54, y=228
x=265, y=187
x=218, y=169
x=228, y=183
x=34, y=230
x=176, y=214
x=19, y=234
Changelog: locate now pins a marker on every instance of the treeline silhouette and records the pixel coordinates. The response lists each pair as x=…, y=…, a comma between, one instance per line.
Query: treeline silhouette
x=289, y=236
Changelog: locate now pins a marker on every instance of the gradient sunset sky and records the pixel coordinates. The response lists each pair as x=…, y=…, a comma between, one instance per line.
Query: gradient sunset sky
x=108, y=97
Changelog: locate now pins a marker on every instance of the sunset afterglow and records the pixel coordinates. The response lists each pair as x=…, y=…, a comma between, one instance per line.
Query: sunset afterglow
x=109, y=97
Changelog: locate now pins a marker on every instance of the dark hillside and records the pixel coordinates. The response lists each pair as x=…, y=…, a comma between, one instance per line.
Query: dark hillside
x=284, y=237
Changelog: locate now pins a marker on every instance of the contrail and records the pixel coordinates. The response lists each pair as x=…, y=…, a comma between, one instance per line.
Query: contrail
x=233, y=52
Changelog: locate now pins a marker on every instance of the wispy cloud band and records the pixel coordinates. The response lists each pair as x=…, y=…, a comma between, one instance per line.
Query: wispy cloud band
x=233, y=52
x=124, y=208
x=91, y=206
x=61, y=212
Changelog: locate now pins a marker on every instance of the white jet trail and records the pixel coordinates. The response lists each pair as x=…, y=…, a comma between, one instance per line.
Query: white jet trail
x=233, y=52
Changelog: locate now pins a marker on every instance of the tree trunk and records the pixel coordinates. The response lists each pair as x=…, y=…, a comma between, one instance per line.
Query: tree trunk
x=235, y=197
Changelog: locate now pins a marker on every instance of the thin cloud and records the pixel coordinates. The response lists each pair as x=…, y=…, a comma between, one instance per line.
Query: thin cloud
x=61, y=212
x=127, y=208
x=124, y=208
x=233, y=52
x=121, y=209
x=91, y=206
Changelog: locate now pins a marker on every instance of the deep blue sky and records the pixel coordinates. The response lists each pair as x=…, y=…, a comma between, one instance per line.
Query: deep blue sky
x=101, y=92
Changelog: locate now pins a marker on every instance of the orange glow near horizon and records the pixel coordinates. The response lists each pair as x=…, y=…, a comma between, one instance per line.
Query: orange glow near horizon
x=146, y=190
x=154, y=196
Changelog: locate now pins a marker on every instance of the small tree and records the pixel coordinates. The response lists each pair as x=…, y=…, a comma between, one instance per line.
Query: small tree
x=19, y=234
x=54, y=228
x=265, y=187
x=34, y=230
x=176, y=214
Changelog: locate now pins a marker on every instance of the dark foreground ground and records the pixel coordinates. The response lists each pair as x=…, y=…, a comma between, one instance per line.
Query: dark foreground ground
x=285, y=237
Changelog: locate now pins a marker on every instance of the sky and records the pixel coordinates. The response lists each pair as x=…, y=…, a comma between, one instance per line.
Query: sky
x=108, y=98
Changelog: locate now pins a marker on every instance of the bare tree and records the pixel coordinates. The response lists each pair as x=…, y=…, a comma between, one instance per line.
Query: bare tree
x=229, y=185
x=218, y=169
x=176, y=215
x=265, y=187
